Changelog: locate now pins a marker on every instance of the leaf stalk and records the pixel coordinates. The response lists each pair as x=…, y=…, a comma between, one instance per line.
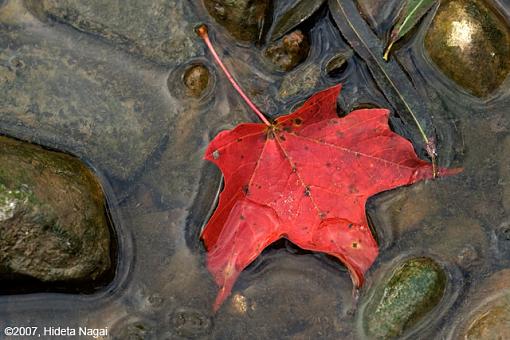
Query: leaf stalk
x=203, y=33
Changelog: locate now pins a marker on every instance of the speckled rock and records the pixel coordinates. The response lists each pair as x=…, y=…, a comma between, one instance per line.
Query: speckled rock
x=412, y=290
x=244, y=19
x=79, y=95
x=155, y=29
x=289, y=51
x=299, y=80
x=53, y=224
x=465, y=37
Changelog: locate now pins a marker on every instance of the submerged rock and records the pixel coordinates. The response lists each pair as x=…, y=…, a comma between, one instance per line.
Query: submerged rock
x=487, y=310
x=465, y=37
x=196, y=79
x=493, y=323
x=53, y=223
x=289, y=51
x=69, y=91
x=244, y=19
x=414, y=288
x=155, y=29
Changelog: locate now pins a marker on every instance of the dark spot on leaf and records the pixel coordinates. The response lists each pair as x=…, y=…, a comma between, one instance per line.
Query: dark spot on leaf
x=298, y=121
x=245, y=189
x=350, y=226
x=241, y=217
x=287, y=128
x=354, y=245
x=322, y=215
x=307, y=191
x=328, y=164
x=282, y=137
x=239, y=139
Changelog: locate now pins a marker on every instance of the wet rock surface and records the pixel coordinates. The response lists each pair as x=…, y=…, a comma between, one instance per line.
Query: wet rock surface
x=154, y=29
x=53, y=224
x=243, y=19
x=414, y=288
x=288, y=52
x=467, y=36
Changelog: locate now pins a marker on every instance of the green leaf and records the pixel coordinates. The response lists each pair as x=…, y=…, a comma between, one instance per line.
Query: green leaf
x=302, y=10
x=389, y=76
x=410, y=14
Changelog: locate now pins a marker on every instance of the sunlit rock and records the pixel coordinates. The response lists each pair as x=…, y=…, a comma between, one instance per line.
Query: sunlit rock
x=470, y=43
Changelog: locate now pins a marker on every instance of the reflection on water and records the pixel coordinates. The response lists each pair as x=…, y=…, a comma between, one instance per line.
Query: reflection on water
x=144, y=132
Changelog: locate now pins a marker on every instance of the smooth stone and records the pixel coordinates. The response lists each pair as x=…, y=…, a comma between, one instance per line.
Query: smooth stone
x=336, y=65
x=53, y=223
x=486, y=313
x=243, y=19
x=494, y=323
x=414, y=288
x=73, y=93
x=288, y=52
x=155, y=29
x=300, y=80
x=196, y=79
x=467, y=36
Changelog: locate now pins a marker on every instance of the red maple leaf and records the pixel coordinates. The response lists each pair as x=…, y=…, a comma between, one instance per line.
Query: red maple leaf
x=305, y=177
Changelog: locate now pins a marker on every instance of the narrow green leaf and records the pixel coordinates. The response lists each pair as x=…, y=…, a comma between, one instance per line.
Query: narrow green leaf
x=302, y=10
x=389, y=76
x=410, y=14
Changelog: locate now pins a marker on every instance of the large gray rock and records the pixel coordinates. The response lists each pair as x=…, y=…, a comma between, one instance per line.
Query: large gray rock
x=79, y=95
x=53, y=224
x=155, y=29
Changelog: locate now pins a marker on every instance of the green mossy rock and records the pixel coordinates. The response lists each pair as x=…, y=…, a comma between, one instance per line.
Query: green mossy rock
x=414, y=288
x=53, y=223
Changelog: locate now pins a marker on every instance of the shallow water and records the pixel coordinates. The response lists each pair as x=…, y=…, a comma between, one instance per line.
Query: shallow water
x=146, y=137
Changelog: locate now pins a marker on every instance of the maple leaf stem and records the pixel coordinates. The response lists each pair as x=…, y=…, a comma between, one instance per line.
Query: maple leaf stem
x=202, y=32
